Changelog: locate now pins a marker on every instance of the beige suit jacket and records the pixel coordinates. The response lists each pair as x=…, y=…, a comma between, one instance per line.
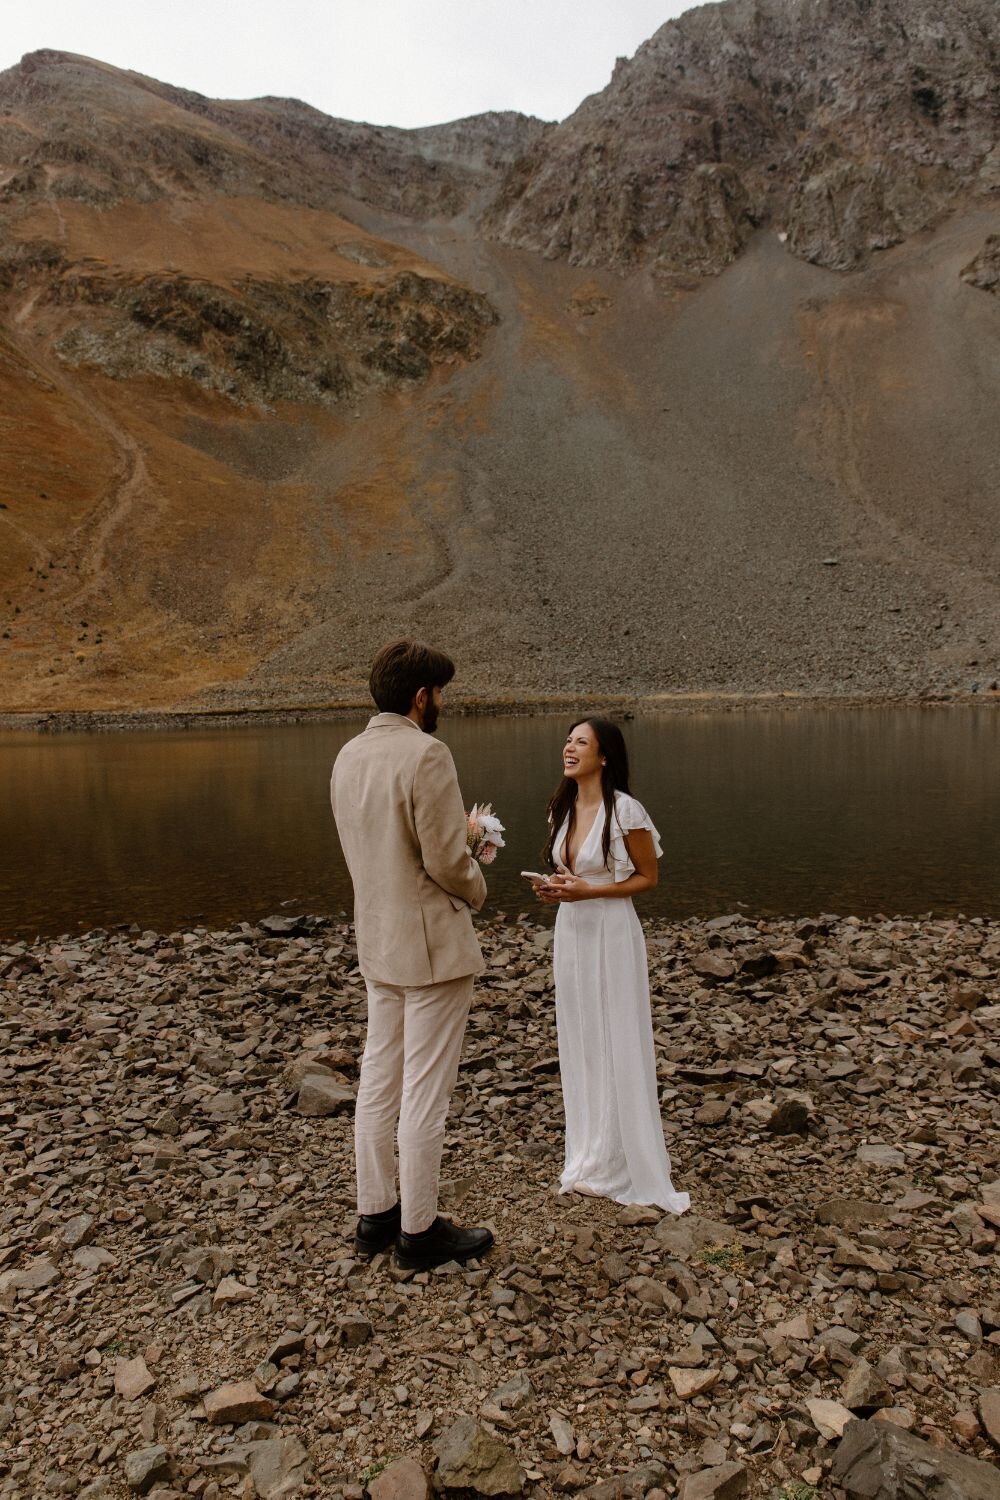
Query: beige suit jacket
x=402, y=826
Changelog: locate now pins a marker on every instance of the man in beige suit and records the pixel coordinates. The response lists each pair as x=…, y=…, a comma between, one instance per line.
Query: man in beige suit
x=402, y=826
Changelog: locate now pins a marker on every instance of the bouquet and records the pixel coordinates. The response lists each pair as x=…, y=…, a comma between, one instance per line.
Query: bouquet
x=485, y=833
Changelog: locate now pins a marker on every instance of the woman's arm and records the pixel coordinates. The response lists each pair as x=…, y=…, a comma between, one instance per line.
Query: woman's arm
x=639, y=843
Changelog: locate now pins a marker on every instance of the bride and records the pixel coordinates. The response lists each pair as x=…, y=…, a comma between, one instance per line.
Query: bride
x=604, y=849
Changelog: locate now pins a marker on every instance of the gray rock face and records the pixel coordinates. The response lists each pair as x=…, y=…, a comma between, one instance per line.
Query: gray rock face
x=847, y=126
x=269, y=340
x=469, y=1458
x=881, y=1462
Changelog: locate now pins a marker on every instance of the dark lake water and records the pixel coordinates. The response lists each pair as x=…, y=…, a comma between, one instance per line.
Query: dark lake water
x=849, y=811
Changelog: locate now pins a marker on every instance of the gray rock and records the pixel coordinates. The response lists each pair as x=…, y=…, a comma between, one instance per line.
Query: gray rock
x=989, y=1415
x=148, y=1466
x=653, y=1293
x=791, y=1116
x=132, y=1378
x=278, y=1467
x=712, y=1112
x=79, y=1230
x=877, y=1154
x=878, y=1461
x=712, y=966
x=865, y=1389
x=615, y=1267
x=353, y=1331
x=278, y=926
x=562, y=1433
x=320, y=1095
x=285, y=1346
x=687, y=1236
x=851, y=1213
x=969, y=1326
x=724, y=1482
x=513, y=1394
x=635, y=1483
x=470, y=1458
x=41, y=1273
x=239, y=1401
x=404, y=1479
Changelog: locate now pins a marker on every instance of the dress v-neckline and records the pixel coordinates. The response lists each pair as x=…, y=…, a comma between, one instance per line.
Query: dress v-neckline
x=586, y=841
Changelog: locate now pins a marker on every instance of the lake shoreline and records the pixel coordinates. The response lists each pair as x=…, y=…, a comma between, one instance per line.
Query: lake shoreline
x=115, y=721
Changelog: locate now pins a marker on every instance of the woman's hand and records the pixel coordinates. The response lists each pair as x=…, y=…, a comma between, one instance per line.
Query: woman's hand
x=566, y=887
x=543, y=890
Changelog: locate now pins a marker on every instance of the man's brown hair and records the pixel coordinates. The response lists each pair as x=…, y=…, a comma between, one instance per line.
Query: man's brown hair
x=401, y=669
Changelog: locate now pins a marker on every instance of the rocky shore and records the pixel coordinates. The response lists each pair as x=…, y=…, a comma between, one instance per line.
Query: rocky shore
x=182, y=1313
x=359, y=705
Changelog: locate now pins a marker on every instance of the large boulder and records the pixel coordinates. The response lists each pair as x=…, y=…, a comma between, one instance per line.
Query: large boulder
x=877, y=1461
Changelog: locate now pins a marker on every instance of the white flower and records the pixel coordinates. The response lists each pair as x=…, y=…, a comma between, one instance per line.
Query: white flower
x=492, y=829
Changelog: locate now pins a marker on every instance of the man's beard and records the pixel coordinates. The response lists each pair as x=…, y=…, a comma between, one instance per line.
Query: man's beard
x=429, y=717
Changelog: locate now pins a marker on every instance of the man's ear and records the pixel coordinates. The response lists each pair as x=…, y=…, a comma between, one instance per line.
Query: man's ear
x=420, y=701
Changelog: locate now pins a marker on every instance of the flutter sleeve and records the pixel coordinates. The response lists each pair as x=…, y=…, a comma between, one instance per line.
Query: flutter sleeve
x=629, y=815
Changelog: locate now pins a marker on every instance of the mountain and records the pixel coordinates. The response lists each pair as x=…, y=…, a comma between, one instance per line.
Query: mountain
x=690, y=395
x=847, y=125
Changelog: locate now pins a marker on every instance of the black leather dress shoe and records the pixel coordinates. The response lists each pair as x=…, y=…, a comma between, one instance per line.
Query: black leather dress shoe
x=376, y=1232
x=439, y=1244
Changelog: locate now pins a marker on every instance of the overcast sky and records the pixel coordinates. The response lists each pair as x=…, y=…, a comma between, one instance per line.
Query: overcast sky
x=391, y=62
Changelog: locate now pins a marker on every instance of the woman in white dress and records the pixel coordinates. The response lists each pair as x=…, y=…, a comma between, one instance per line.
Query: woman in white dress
x=604, y=849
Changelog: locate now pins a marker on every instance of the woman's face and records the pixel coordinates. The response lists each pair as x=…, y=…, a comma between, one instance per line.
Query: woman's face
x=581, y=753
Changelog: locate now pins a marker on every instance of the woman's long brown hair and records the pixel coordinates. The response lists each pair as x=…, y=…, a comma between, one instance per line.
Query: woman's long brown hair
x=614, y=778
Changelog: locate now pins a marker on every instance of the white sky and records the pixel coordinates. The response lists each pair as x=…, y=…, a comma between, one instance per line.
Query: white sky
x=391, y=62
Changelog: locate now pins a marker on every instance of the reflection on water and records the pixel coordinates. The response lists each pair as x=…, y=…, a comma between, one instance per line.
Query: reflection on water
x=836, y=810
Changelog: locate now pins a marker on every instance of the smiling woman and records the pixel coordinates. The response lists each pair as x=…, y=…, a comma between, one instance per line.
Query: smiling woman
x=387, y=61
x=605, y=846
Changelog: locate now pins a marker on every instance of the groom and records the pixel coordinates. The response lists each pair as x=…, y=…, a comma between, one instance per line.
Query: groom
x=402, y=826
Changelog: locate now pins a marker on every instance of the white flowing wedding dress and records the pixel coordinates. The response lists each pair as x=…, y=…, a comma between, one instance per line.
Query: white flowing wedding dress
x=614, y=1133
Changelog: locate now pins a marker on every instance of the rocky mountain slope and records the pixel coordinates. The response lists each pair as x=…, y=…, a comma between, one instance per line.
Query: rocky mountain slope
x=693, y=393
x=846, y=125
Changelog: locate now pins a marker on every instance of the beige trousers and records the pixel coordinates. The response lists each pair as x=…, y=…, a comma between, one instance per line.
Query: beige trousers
x=408, y=1071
